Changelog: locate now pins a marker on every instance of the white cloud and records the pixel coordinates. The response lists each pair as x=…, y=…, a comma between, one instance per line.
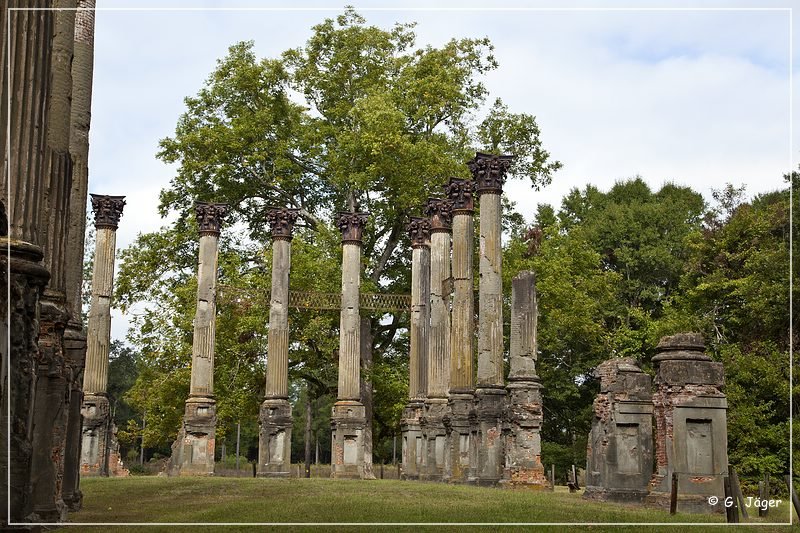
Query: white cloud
x=698, y=98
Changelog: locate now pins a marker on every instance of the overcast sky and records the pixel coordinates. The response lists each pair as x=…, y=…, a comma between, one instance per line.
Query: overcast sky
x=695, y=97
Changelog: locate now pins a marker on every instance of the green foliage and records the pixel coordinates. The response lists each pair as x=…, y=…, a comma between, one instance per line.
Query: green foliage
x=356, y=118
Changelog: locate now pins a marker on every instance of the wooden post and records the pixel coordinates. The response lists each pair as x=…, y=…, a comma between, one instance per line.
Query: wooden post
x=673, y=497
x=793, y=494
x=394, y=449
x=381, y=469
x=254, y=469
x=553, y=477
x=575, y=478
x=238, y=437
x=737, y=491
x=726, y=483
x=766, y=491
x=762, y=511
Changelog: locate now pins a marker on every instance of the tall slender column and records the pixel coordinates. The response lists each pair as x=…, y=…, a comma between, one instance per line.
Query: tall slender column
x=348, y=417
x=25, y=69
x=96, y=430
x=461, y=428
x=275, y=418
x=193, y=450
x=50, y=420
x=524, y=417
x=489, y=174
x=74, y=337
x=433, y=427
x=419, y=231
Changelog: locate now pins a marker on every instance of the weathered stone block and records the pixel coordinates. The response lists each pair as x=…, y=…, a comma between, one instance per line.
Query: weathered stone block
x=348, y=420
x=620, y=450
x=275, y=439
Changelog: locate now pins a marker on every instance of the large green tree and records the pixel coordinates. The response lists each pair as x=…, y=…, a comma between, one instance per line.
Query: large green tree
x=359, y=117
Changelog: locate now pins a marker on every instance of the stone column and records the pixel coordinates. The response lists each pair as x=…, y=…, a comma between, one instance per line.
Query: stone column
x=275, y=418
x=50, y=420
x=460, y=424
x=619, y=454
x=419, y=230
x=691, y=428
x=193, y=450
x=433, y=421
x=74, y=337
x=523, y=442
x=348, y=418
x=97, y=424
x=489, y=173
x=22, y=216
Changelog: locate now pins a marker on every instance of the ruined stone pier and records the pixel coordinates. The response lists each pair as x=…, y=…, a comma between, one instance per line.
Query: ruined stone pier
x=193, y=450
x=23, y=191
x=74, y=337
x=523, y=446
x=97, y=423
x=53, y=374
x=489, y=172
x=460, y=423
x=348, y=418
x=691, y=428
x=419, y=231
x=275, y=418
x=619, y=455
x=433, y=421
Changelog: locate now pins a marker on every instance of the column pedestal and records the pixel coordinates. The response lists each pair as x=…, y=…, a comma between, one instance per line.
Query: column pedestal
x=27, y=281
x=94, y=438
x=275, y=438
x=75, y=354
x=412, y=439
x=348, y=420
x=489, y=405
x=523, y=468
x=434, y=439
x=193, y=450
x=461, y=426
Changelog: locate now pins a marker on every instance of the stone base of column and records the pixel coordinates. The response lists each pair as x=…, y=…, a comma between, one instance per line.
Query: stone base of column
x=434, y=440
x=412, y=439
x=461, y=425
x=50, y=416
x=193, y=450
x=94, y=435
x=602, y=494
x=523, y=443
x=275, y=438
x=26, y=283
x=489, y=406
x=348, y=420
x=75, y=352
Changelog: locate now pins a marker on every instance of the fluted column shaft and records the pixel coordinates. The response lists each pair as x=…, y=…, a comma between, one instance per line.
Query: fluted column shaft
x=462, y=335
x=205, y=318
x=349, y=324
x=99, y=324
x=439, y=352
x=278, y=360
x=420, y=321
x=490, y=295
x=26, y=57
x=74, y=338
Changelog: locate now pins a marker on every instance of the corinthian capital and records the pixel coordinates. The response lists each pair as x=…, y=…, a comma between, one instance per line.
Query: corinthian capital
x=209, y=217
x=419, y=230
x=439, y=211
x=281, y=221
x=107, y=210
x=489, y=171
x=352, y=226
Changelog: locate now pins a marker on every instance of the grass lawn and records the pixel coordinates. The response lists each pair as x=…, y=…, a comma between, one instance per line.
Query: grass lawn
x=226, y=500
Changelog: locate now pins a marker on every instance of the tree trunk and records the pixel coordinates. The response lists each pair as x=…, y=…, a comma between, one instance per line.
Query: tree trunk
x=366, y=392
x=308, y=431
